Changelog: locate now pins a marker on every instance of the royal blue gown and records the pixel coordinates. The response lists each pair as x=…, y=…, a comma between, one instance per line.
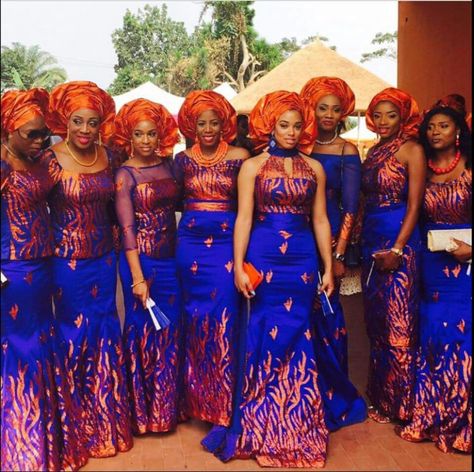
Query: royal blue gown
x=391, y=300
x=343, y=404
x=38, y=412
x=279, y=415
x=145, y=200
x=85, y=281
x=205, y=262
x=442, y=410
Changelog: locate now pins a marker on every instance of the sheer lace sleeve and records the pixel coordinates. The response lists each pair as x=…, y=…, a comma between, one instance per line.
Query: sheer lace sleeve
x=124, y=185
x=351, y=179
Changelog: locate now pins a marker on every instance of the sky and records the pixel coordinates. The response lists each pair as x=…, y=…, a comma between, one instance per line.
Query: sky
x=78, y=33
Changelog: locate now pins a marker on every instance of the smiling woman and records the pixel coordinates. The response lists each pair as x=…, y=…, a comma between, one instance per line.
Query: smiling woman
x=207, y=173
x=278, y=416
x=84, y=266
x=393, y=178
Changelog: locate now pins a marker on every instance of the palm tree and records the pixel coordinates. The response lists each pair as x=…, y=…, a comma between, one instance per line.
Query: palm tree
x=25, y=67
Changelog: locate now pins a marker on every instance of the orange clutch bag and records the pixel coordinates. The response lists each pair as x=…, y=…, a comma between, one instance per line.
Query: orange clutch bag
x=256, y=277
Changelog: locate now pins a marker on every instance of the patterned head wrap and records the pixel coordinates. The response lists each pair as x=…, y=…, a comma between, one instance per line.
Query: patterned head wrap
x=66, y=98
x=270, y=107
x=140, y=110
x=18, y=107
x=198, y=102
x=318, y=87
x=409, y=115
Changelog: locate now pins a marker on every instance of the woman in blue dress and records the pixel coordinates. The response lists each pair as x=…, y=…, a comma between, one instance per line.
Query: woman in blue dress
x=38, y=412
x=84, y=262
x=393, y=181
x=278, y=415
x=333, y=100
x=442, y=410
x=146, y=196
x=207, y=173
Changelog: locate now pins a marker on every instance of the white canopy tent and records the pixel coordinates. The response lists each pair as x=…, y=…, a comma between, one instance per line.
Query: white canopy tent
x=151, y=92
x=226, y=90
x=360, y=132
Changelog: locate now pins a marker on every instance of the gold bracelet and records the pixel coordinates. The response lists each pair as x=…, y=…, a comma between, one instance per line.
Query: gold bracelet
x=137, y=283
x=398, y=252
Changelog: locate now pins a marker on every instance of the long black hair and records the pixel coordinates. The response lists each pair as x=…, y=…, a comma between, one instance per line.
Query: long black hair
x=464, y=133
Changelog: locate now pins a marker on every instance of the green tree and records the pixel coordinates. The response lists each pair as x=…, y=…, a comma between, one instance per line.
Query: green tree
x=148, y=45
x=26, y=67
x=387, y=43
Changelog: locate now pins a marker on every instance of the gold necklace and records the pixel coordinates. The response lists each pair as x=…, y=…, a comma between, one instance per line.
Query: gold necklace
x=88, y=164
x=208, y=161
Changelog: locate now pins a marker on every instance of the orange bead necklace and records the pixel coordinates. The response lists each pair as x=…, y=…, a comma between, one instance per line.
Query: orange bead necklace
x=209, y=161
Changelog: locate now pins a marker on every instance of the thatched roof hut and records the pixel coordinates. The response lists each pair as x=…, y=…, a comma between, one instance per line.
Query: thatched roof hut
x=312, y=61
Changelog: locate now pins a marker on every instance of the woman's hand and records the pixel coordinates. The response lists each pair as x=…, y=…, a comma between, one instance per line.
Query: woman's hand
x=463, y=253
x=327, y=284
x=339, y=269
x=242, y=282
x=387, y=261
x=142, y=292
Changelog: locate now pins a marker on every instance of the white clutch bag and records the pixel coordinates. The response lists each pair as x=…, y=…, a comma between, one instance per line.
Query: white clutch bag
x=440, y=239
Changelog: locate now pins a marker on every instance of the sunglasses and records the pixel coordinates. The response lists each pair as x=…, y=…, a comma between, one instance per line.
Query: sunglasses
x=35, y=134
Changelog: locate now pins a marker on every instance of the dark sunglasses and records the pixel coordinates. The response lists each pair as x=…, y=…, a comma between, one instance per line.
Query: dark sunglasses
x=34, y=134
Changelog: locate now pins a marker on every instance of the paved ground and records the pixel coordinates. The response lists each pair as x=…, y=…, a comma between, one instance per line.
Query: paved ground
x=364, y=447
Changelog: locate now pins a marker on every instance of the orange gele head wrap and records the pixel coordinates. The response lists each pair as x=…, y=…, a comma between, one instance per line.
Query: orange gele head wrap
x=270, y=107
x=18, y=107
x=66, y=98
x=140, y=110
x=318, y=87
x=409, y=115
x=198, y=102
x=458, y=103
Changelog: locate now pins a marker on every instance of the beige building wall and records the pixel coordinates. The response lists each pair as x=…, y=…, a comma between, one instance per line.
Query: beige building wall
x=434, y=50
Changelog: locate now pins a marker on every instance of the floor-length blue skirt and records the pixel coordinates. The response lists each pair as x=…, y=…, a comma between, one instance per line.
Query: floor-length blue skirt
x=343, y=404
x=38, y=413
x=442, y=408
x=204, y=256
x=86, y=315
x=153, y=358
x=391, y=303
x=279, y=415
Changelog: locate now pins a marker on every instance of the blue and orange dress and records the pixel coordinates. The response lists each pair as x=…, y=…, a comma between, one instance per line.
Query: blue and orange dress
x=343, y=403
x=145, y=200
x=211, y=302
x=279, y=414
x=390, y=299
x=442, y=410
x=85, y=280
x=39, y=414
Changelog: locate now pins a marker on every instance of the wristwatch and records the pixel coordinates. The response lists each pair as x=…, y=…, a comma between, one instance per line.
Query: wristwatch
x=339, y=257
x=398, y=252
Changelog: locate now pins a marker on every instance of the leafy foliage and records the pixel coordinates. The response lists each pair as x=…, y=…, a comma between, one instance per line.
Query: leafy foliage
x=26, y=67
x=388, y=41
x=152, y=47
x=147, y=45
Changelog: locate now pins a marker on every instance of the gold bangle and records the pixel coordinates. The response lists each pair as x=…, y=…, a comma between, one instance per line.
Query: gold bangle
x=137, y=283
x=398, y=252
